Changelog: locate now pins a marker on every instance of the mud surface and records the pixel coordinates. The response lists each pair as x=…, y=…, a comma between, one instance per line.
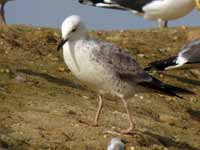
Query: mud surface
x=42, y=104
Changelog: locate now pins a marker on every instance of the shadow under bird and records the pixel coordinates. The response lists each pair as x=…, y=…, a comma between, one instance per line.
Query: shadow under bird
x=161, y=10
x=189, y=54
x=2, y=11
x=105, y=68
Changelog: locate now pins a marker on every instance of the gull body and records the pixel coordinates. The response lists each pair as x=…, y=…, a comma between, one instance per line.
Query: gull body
x=161, y=10
x=105, y=68
x=189, y=54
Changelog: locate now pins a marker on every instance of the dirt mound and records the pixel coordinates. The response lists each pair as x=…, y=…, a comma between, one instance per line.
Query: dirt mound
x=41, y=103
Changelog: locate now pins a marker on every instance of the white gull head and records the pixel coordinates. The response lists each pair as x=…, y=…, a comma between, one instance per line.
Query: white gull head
x=72, y=29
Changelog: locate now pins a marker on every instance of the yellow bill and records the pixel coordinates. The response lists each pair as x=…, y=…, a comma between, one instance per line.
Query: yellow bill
x=198, y=4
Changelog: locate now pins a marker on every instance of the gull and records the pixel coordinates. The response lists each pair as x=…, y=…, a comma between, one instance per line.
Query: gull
x=189, y=54
x=116, y=144
x=105, y=68
x=160, y=10
x=2, y=11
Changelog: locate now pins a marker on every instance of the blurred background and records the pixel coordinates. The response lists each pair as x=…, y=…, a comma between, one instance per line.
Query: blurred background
x=51, y=13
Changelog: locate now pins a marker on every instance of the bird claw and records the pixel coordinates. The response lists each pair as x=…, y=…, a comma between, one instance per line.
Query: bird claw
x=127, y=131
x=88, y=123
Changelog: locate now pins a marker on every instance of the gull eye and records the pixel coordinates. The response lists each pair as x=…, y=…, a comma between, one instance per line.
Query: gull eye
x=73, y=30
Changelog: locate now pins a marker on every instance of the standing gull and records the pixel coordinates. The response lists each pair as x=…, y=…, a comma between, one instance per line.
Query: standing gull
x=105, y=68
x=189, y=54
x=161, y=10
x=2, y=11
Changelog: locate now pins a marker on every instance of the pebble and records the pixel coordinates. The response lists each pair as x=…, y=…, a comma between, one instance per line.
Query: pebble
x=61, y=69
x=175, y=38
x=168, y=119
x=85, y=97
x=141, y=97
x=116, y=144
x=161, y=75
x=20, y=78
x=141, y=55
x=132, y=148
x=184, y=27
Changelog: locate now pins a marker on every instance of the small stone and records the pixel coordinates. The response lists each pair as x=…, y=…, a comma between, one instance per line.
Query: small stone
x=175, y=38
x=167, y=119
x=1, y=70
x=132, y=148
x=61, y=69
x=54, y=59
x=141, y=55
x=85, y=97
x=184, y=27
x=113, y=128
x=20, y=78
x=162, y=50
x=161, y=75
x=141, y=97
x=7, y=70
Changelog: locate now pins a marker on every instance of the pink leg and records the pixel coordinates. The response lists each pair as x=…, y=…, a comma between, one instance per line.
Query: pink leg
x=98, y=111
x=131, y=123
x=95, y=123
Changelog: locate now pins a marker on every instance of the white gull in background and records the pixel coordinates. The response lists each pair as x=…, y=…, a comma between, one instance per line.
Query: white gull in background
x=161, y=10
x=2, y=11
x=189, y=54
x=105, y=68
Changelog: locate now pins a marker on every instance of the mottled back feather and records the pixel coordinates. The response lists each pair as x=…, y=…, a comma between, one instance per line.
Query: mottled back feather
x=120, y=62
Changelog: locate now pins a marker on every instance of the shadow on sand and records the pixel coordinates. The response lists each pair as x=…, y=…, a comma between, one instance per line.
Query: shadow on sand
x=50, y=78
x=170, y=142
x=195, y=114
x=184, y=80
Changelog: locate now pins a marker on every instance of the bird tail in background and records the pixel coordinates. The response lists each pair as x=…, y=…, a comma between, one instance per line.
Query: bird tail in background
x=102, y=3
x=91, y=2
x=163, y=64
x=166, y=88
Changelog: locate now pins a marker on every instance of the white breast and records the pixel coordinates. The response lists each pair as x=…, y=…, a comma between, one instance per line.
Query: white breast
x=86, y=70
x=168, y=9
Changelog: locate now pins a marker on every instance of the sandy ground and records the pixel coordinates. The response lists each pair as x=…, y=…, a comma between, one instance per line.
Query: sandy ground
x=42, y=104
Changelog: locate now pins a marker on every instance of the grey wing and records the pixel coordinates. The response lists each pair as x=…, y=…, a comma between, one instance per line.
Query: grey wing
x=191, y=51
x=127, y=69
x=121, y=63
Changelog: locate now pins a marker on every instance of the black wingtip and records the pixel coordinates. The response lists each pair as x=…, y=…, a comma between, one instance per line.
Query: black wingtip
x=162, y=64
x=166, y=88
